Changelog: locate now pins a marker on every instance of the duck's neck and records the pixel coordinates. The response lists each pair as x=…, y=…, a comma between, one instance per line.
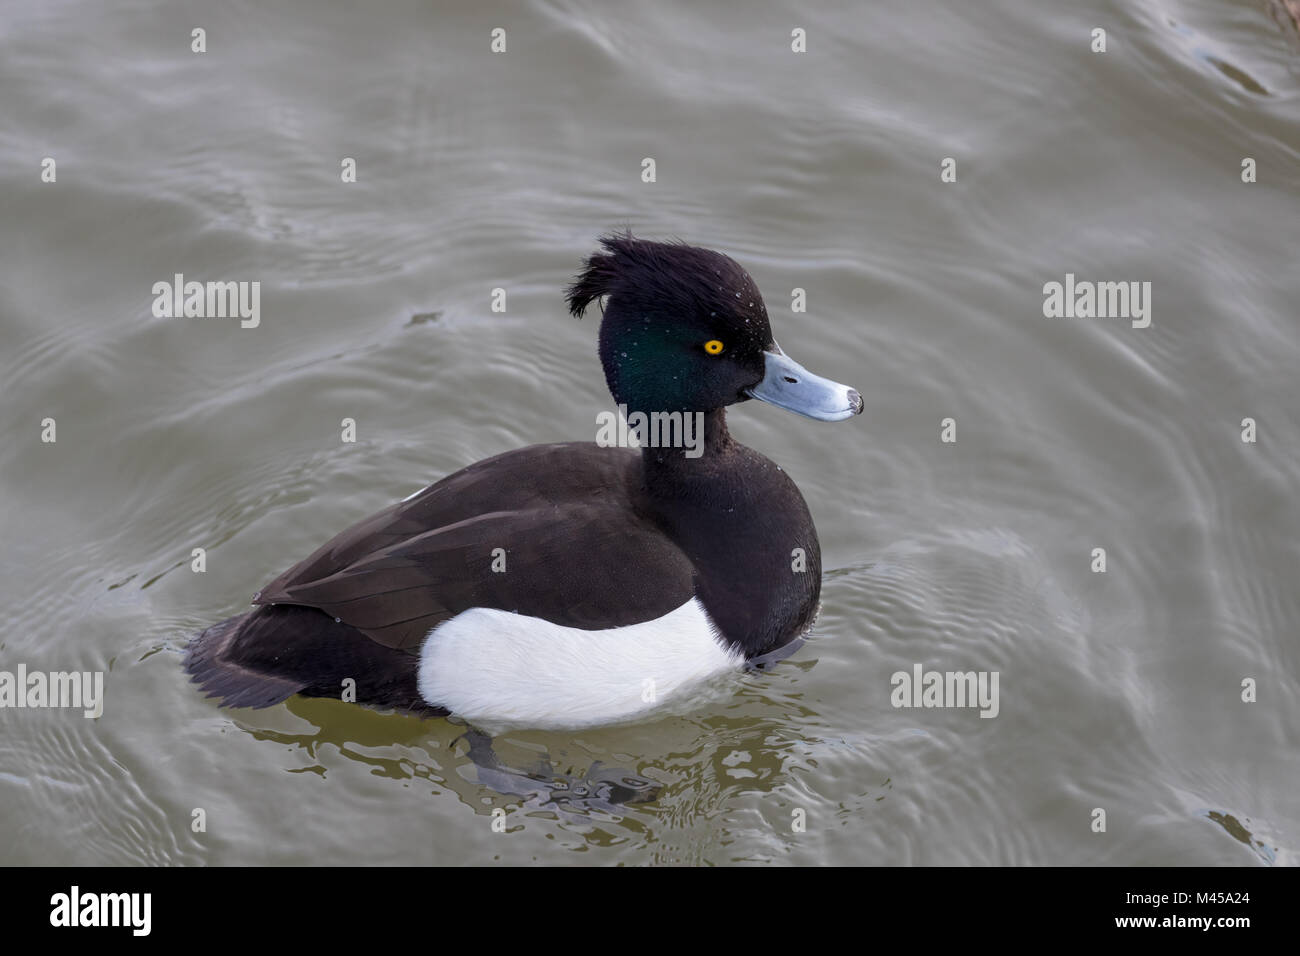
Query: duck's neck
x=747, y=530
x=708, y=448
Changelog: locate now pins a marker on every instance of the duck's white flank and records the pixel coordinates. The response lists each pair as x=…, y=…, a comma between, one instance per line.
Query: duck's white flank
x=496, y=666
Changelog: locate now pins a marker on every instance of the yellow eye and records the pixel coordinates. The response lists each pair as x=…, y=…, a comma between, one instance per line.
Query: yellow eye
x=713, y=347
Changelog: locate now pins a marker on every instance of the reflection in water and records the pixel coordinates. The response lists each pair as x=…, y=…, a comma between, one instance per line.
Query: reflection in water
x=705, y=762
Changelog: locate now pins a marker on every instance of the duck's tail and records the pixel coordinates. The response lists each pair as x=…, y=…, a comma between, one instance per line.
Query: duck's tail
x=213, y=664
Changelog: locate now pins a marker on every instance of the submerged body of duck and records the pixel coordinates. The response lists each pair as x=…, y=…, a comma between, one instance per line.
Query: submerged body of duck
x=568, y=584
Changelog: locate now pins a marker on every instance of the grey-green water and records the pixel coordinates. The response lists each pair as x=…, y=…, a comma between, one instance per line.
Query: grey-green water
x=819, y=170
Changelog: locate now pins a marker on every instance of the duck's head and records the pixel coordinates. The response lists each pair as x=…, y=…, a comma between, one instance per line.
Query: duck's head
x=685, y=330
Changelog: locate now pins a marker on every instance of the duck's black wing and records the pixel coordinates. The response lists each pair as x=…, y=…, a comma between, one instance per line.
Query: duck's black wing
x=549, y=531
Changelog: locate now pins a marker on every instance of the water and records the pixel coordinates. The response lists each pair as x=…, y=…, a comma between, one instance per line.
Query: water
x=1120, y=691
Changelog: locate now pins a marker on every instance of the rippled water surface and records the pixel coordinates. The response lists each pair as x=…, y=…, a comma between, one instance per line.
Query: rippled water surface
x=1119, y=690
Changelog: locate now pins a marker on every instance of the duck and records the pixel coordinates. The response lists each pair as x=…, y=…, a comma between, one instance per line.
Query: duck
x=573, y=584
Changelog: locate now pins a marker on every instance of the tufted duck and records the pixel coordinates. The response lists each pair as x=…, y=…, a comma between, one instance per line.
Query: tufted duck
x=570, y=584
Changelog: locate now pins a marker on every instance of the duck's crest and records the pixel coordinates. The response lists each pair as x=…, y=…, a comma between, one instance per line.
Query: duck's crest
x=599, y=273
